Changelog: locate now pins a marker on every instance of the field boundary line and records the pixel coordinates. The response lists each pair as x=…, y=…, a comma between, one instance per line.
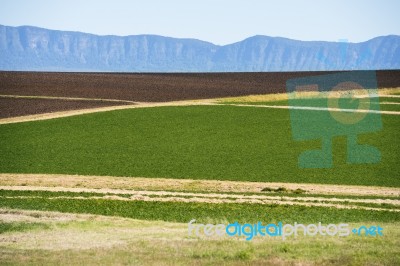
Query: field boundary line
x=316, y=109
x=209, y=102
x=163, y=196
x=64, y=98
x=388, y=103
x=46, y=116
x=187, y=185
x=160, y=193
x=53, y=115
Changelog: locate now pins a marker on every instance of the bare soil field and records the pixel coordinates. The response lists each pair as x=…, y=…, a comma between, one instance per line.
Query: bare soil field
x=14, y=107
x=32, y=231
x=151, y=87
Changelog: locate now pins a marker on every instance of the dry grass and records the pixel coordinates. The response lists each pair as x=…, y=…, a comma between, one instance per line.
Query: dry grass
x=82, y=231
x=94, y=240
x=255, y=98
x=215, y=198
x=284, y=96
x=187, y=185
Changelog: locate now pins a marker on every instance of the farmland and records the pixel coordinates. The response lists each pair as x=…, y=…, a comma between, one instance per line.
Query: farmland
x=150, y=87
x=121, y=180
x=239, y=143
x=12, y=107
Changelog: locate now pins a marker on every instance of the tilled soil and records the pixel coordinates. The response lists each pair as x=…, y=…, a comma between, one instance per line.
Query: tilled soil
x=151, y=87
x=14, y=107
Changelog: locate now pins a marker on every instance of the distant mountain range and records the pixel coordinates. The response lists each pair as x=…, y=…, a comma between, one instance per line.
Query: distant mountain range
x=38, y=49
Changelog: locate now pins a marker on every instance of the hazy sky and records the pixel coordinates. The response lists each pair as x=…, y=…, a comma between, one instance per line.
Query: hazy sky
x=217, y=21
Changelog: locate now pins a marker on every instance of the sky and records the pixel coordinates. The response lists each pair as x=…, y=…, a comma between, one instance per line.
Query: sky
x=217, y=21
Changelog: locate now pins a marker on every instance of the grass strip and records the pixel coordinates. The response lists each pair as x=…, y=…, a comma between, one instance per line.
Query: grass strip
x=202, y=212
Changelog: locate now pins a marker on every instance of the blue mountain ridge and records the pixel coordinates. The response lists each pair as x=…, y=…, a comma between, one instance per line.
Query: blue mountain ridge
x=37, y=49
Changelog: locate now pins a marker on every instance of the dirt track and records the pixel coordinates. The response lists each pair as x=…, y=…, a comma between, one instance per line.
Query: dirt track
x=202, y=191
x=187, y=185
x=166, y=196
x=87, y=110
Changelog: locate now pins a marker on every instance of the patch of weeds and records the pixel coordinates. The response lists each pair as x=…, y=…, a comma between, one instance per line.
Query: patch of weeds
x=283, y=190
x=21, y=226
x=299, y=191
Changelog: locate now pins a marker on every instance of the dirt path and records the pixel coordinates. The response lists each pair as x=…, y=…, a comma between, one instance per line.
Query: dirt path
x=47, y=116
x=318, y=109
x=53, y=115
x=380, y=95
x=389, y=103
x=139, y=194
x=185, y=185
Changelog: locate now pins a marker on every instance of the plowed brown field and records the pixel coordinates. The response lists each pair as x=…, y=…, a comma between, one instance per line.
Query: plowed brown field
x=141, y=87
x=13, y=107
x=157, y=87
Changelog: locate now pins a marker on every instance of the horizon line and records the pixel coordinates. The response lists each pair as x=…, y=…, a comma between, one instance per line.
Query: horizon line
x=190, y=38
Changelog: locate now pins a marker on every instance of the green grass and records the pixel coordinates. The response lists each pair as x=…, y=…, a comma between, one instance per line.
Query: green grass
x=38, y=193
x=296, y=194
x=198, y=142
x=159, y=243
x=389, y=99
x=281, y=195
x=390, y=107
x=21, y=226
x=214, y=142
x=322, y=251
x=268, y=192
x=184, y=212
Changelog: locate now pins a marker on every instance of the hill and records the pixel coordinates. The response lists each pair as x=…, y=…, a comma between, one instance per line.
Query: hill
x=38, y=49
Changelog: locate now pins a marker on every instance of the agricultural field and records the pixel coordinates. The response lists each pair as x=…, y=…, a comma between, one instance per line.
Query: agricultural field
x=150, y=87
x=11, y=106
x=90, y=175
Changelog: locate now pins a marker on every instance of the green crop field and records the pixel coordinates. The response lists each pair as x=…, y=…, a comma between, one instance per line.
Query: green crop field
x=121, y=186
x=198, y=142
x=184, y=212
